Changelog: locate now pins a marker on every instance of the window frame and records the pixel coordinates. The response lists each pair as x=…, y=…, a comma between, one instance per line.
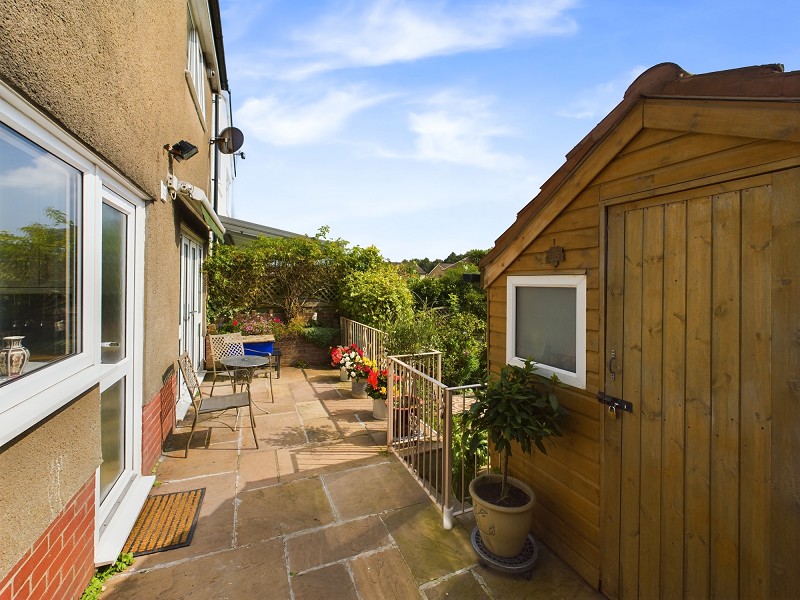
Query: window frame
x=29, y=400
x=195, y=64
x=575, y=379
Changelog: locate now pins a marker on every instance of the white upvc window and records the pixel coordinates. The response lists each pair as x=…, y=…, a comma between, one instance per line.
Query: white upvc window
x=196, y=64
x=546, y=322
x=51, y=190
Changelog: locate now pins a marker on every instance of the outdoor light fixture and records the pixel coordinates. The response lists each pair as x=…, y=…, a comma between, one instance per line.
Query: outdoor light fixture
x=183, y=150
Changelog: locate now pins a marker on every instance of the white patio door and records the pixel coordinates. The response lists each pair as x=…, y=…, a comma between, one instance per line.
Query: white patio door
x=119, y=482
x=191, y=327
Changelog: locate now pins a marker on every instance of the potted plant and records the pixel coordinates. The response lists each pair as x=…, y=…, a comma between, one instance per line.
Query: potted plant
x=337, y=354
x=358, y=368
x=518, y=406
x=377, y=381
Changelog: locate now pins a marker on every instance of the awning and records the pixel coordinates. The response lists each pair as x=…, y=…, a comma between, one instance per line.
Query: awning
x=218, y=229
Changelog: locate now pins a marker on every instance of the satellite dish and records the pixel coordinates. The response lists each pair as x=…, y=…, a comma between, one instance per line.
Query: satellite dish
x=229, y=140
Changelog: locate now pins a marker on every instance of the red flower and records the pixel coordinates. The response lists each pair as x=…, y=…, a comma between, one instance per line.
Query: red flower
x=372, y=379
x=235, y=323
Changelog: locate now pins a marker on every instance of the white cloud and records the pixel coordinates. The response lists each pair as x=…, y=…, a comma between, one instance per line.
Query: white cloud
x=457, y=129
x=598, y=101
x=45, y=174
x=285, y=122
x=370, y=33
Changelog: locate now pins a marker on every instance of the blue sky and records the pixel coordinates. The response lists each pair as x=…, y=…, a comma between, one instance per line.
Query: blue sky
x=423, y=127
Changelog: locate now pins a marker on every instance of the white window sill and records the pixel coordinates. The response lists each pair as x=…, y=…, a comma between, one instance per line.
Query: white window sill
x=110, y=544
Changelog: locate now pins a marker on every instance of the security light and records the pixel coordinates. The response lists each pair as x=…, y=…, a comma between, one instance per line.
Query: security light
x=183, y=150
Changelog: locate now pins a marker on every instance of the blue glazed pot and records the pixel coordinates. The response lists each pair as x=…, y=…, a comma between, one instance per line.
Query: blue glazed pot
x=258, y=348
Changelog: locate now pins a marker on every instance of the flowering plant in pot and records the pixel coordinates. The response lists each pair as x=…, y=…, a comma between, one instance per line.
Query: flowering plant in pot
x=377, y=382
x=521, y=407
x=338, y=354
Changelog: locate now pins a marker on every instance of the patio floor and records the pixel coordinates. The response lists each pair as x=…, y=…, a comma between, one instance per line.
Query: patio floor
x=321, y=510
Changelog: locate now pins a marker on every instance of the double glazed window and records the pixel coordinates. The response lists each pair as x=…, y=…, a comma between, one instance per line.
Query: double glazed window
x=196, y=63
x=40, y=252
x=546, y=322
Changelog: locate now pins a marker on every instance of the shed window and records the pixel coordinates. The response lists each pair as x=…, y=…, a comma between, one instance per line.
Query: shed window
x=546, y=317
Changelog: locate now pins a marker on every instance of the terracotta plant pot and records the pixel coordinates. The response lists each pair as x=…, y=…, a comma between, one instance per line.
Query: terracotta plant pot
x=503, y=529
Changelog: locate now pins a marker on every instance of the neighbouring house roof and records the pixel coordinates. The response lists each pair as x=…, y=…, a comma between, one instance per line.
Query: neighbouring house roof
x=239, y=232
x=663, y=81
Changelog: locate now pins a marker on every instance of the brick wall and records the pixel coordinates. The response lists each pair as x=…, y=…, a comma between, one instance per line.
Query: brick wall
x=293, y=348
x=61, y=562
x=158, y=419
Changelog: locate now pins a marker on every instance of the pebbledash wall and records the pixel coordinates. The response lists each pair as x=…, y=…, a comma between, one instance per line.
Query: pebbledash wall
x=112, y=79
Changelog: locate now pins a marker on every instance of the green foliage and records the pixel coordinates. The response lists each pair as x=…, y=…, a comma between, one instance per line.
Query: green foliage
x=95, y=587
x=415, y=334
x=440, y=291
x=375, y=297
x=518, y=406
x=467, y=459
x=461, y=337
x=283, y=272
x=320, y=336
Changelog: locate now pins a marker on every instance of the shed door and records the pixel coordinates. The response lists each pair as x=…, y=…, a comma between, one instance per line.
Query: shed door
x=702, y=308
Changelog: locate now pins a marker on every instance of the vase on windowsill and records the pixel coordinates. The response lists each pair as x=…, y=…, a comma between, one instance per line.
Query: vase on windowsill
x=13, y=356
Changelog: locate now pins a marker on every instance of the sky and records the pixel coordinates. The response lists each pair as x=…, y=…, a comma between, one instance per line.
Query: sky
x=423, y=127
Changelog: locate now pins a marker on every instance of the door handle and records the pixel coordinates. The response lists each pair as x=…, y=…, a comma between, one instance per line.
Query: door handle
x=613, y=368
x=109, y=344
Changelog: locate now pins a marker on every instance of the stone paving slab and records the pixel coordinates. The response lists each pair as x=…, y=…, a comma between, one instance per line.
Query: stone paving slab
x=332, y=582
x=320, y=511
x=281, y=509
x=335, y=543
x=255, y=571
x=430, y=551
x=373, y=490
x=384, y=575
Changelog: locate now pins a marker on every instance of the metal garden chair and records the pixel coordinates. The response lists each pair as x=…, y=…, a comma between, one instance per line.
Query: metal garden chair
x=204, y=405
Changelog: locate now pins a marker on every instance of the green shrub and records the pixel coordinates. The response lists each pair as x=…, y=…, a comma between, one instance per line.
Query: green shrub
x=320, y=336
x=376, y=297
x=461, y=338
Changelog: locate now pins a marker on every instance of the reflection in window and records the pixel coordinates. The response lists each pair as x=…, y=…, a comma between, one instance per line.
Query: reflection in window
x=546, y=326
x=40, y=224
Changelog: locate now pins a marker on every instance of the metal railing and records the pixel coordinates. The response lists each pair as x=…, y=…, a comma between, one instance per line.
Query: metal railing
x=423, y=430
x=372, y=341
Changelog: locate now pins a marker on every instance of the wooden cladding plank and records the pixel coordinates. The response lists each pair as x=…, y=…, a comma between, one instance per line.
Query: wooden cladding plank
x=756, y=407
x=785, y=501
x=698, y=398
x=612, y=424
x=697, y=172
x=650, y=137
x=674, y=376
x=762, y=120
x=582, y=258
x=570, y=220
x=651, y=403
x=568, y=239
x=671, y=152
x=573, y=185
x=632, y=392
x=725, y=391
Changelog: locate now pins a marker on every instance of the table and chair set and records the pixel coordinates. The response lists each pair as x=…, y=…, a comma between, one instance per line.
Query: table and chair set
x=229, y=361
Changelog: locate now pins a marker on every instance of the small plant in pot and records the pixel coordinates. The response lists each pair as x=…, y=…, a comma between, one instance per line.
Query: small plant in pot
x=519, y=406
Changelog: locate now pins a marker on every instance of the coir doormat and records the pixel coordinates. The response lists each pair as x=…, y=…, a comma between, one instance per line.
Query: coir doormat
x=167, y=521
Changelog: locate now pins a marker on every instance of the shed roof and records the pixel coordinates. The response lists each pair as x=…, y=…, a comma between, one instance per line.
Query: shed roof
x=665, y=81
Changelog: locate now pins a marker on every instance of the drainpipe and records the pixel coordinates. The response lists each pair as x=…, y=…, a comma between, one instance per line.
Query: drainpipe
x=216, y=152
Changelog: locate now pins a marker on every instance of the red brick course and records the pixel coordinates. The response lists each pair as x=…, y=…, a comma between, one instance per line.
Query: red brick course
x=61, y=562
x=158, y=419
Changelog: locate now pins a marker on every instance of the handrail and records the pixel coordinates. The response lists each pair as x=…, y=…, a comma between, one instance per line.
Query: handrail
x=372, y=341
x=420, y=429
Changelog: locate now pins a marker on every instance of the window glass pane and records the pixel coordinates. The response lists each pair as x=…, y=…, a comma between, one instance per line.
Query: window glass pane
x=546, y=324
x=40, y=228
x=112, y=435
x=113, y=307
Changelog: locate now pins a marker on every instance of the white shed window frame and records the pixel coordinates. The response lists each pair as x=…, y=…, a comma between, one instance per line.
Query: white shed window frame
x=577, y=378
x=195, y=65
x=33, y=398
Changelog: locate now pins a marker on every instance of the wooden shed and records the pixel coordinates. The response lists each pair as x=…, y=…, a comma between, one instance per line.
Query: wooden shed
x=659, y=268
